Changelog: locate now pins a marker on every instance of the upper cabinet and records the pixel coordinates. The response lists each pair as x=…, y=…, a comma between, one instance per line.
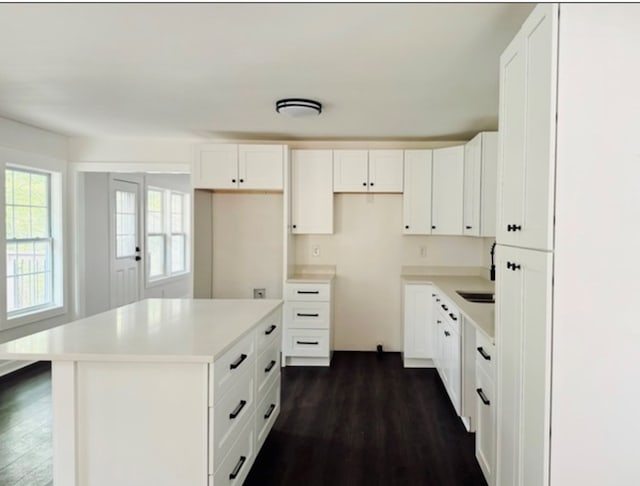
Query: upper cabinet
x=447, y=187
x=367, y=170
x=480, y=185
x=416, y=200
x=527, y=135
x=232, y=166
x=312, y=191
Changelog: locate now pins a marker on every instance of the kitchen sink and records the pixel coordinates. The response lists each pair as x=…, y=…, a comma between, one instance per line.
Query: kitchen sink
x=478, y=297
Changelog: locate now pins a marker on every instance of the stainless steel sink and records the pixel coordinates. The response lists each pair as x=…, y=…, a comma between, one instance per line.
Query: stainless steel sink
x=478, y=297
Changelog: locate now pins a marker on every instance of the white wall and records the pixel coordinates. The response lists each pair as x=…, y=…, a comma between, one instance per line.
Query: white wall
x=369, y=250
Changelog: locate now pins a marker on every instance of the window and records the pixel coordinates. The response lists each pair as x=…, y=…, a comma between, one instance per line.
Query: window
x=29, y=241
x=167, y=216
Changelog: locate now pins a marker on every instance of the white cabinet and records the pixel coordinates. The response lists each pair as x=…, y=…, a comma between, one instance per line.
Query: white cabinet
x=485, y=407
x=232, y=166
x=367, y=171
x=448, y=347
x=448, y=176
x=526, y=151
x=480, y=185
x=523, y=337
x=418, y=325
x=312, y=191
x=416, y=199
x=308, y=332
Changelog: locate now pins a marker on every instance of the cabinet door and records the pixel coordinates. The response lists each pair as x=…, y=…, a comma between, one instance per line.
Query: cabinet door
x=418, y=321
x=416, y=199
x=216, y=166
x=350, y=171
x=526, y=151
x=386, y=170
x=261, y=167
x=312, y=191
x=489, y=184
x=448, y=174
x=454, y=367
x=485, y=425
x=472, y=179
x=523, y=343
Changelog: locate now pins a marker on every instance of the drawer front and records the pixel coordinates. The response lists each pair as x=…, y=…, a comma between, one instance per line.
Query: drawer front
x=308, y=292
x=268, y=367
x=231, y=413
x=267, y=412
x=235, y=467
x=307, y=342
x=450, y=314
x=308, y=315
x=232, y=364
x=269, y=329
x=485, y=355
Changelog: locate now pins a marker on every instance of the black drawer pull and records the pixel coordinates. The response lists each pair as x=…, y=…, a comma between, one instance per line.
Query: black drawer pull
x=438, y=322
x=314, y=343
x=445, y=307
x=238, y=409
x=270, y=367
x=467, y=227
x=308, y=291
x=236, y=470
x=306, y=315
x=238, y=362
x=433, y=295
x=482, y=396
x=484, y=354
x=272, y=407
x=447, y=333
x=272, y=328
x=437, y=300
x=453, y=316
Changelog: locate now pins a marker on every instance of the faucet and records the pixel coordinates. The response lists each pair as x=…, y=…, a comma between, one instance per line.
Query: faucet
x=492, y=270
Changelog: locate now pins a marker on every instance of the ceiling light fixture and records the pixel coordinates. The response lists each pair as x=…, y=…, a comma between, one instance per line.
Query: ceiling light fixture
x=298, y=107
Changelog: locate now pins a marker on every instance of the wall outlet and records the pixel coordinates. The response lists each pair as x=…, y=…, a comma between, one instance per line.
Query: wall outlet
x=422, y=252
x=259, y=293
x=315, y=251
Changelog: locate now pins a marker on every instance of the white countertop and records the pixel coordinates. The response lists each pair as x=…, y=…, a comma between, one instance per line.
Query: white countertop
x=311, y=274
x=482, y=316
x=314, y=278
x=170, y=330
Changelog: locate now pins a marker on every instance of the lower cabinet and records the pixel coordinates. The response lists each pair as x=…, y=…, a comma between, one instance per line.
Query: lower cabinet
x=485, y=408
x=418, y=325
x=448, y=347
x=307, y=336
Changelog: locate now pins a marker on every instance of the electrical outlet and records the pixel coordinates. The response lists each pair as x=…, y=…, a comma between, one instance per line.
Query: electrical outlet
x=259, y=293
x=315, y=251
x=423, y=252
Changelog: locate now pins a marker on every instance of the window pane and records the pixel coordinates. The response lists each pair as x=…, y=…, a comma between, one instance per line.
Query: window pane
x=39, y=190
x=8, y=187
x=177, y=213
x=9, y=216
x=22, y=222
x=39, y=223
x=21, y=183
x=126, y=234
x=154, y=200
x=30, y=281
x=155, y=245
x=178, y=253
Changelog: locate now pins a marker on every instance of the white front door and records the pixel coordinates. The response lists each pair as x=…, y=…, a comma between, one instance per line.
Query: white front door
x=126, y=254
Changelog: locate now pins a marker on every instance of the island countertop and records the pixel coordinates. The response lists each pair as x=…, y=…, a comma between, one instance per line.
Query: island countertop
x=152, y=330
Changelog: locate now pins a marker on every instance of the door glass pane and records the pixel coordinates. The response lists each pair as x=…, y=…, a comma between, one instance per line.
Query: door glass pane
x=125, y=224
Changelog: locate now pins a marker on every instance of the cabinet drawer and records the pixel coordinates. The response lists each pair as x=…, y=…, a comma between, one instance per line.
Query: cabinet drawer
x=267, y=412
x=268, y=366
x=450, y=314
x=233, y=363
x=234, y=468
x=268, y=330
x=308, y=292
x=307, y=342
x=485, y=354
x=485, y=425
x=308, y=315
x=231, y=413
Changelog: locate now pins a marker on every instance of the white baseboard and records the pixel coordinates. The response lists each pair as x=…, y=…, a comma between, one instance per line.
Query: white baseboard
x=7, y=367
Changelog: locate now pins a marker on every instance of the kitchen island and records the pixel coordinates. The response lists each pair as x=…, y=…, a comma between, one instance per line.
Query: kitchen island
x=163, y=391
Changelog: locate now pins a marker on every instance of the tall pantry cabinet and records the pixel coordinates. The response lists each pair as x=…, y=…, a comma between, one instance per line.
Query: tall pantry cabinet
x=567, y=265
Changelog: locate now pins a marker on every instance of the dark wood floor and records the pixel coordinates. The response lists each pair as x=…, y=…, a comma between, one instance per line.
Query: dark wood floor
x=364, y=421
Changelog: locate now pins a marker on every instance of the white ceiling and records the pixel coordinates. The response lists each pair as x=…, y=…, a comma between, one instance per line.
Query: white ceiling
x=381, y=71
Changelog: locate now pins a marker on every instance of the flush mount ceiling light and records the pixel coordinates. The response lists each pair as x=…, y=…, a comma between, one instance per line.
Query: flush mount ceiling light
x=298, y=107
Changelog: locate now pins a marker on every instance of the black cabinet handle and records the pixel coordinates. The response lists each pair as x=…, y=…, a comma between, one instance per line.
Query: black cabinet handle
x=308, y=291
x=433, y=295
x=468, y=227
x=482, y=396
x=306, y=315
x=453, y=316
x=238, y=409
x=364, y=184
x=433, y=227
x=484, y=354
x=444, y=307
x=241, y=181
x=238, y=362
x=406, y=226
x=272, y=328
x=294, y=226
x=138, y=258
x=438, y=322
x=236, y=470
x=233, y=180
x=513, y=266
x=447, y=333
x=315, y=343
x=437, y=300
x=272, y=407
x=270, y=367
x=371, y=183
x=514, y=227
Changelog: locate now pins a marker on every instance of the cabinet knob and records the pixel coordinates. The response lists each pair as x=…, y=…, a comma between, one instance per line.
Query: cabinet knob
x=233, y=180
x=433, y=227
x=447, y=333
x=364, y=184
x=294, y=226
x=468, y=227
x=406, y=226
x=371, y=183
x=241, y=181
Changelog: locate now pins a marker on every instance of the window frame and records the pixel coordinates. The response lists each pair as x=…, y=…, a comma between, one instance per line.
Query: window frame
x=166, y=234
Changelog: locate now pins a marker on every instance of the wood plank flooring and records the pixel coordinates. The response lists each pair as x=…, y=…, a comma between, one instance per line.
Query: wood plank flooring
x=364, y=421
